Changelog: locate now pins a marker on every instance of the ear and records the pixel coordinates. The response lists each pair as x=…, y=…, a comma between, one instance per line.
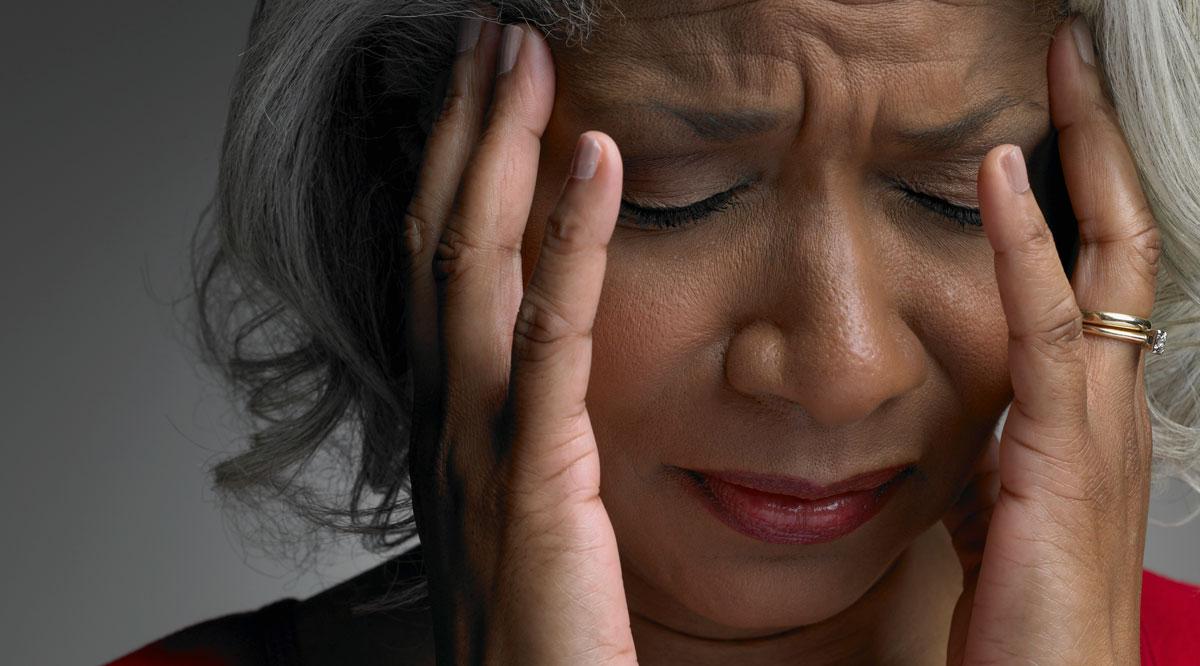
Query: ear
x=1050, y=190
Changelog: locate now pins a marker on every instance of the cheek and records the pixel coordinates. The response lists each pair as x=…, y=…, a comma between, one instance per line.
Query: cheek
x=656, y=394
x=652, y=327
x=668, y=306
x=956, y=309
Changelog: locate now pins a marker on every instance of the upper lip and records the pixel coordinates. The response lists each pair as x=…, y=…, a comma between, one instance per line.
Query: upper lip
x=802, y=488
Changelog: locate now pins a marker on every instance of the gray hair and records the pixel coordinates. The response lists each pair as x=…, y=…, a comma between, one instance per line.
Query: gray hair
x=299, y=297
x=1150, y=54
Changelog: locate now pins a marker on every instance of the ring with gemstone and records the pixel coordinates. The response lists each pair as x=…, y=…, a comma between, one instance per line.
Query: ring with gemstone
x=1125, y=327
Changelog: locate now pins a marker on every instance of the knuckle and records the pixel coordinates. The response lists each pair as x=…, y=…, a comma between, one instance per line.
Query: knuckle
x=1147, y=240
x=541, y=322
x=1105, y=114
x=414, y=234
x=1035, y=238
x=491, y=137
x=1058, y=334
x=1139, y=239
x=566, y=231
x=457, y=108
x=562, y=468
x=1062, y=467
x=417, y=226
x=454, y=255
x=457, y=252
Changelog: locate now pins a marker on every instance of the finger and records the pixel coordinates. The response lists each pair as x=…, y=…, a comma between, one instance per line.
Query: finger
x=446, y=152
x=552, y=344
x=1044, y=325
x=968, y=522
x=1119, y=240
x=975, y=499
x=478, y=259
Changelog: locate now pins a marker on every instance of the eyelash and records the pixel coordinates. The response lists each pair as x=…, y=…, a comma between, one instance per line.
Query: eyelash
x=965, y=217
x=667, y=218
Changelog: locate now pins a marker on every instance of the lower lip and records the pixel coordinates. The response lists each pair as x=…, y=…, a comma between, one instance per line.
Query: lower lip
x=787, y=520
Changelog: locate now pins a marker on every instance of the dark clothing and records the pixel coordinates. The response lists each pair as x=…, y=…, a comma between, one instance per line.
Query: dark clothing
x=321, y=631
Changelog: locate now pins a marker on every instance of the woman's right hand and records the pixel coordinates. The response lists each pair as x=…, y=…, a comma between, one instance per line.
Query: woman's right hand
x=520, y=554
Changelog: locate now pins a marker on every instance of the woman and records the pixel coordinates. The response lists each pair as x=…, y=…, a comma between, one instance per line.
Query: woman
x=836, y=240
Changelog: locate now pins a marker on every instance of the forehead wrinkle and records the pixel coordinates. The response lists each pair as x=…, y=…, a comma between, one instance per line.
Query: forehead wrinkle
x=756, y=78
x=733, y=54
x=701, y=8
x=751, y=37
x=749, y=52
x=883, y=21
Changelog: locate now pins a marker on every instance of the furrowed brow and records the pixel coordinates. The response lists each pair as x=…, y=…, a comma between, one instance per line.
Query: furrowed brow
x=729, y=126
x=964, y=131
x=724, y=126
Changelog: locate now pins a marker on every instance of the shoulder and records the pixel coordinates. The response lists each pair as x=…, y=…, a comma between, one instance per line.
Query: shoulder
x=335, y=627
x=1170, y=619
x=251, y=638
x=331, y=627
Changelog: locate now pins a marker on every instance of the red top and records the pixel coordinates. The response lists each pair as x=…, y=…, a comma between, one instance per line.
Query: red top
x=1170, y=629
x=1170, y=621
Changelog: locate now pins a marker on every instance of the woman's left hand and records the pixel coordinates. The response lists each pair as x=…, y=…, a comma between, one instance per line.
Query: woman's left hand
x=1051, y=532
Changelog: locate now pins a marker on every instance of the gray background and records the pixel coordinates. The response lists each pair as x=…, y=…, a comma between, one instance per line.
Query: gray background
x=111, y=118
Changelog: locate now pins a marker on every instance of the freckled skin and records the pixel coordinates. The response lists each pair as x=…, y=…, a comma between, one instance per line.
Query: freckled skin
x=822, y=326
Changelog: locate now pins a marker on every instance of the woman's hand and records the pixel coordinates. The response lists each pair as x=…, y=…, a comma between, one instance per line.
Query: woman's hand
x=1050, y=535
x=520, y=553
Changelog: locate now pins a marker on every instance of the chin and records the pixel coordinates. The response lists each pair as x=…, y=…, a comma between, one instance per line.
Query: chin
x=687, y=567
x=780, y=596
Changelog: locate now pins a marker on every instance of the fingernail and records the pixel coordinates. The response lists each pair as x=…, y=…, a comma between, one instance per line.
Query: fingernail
x=1014, y=167
x=587, y=156
x=1083, y=40
x=468, y=33
x=510, y=45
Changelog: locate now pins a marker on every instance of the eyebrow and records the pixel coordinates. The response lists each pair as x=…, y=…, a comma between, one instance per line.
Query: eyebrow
x=729, y=126
x=965, y=129
x=723, y=126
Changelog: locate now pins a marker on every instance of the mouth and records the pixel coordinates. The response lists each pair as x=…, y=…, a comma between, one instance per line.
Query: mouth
x=785, y=510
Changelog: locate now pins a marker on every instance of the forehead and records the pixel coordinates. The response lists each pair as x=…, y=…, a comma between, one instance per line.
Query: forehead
x=797, y=57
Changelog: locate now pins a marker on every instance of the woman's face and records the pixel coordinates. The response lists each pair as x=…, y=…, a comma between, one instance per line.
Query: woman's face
x=821, y=322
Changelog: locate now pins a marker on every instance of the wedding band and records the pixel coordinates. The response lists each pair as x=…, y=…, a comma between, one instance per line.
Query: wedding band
x=1125, y=327
x=1116, y=320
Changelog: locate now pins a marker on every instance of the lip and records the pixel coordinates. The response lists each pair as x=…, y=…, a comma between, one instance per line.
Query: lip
x=787, y=510
x=801, y=488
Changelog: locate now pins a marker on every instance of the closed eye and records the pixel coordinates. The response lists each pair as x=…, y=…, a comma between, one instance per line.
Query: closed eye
x=961, y=214
x=665, y=218
x=669, y=217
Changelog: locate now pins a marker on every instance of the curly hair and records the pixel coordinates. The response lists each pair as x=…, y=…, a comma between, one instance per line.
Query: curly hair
x=298, y=278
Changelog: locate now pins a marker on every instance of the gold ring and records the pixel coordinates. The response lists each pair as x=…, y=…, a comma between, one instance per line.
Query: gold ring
x=1125, y=327
x=1116, y=320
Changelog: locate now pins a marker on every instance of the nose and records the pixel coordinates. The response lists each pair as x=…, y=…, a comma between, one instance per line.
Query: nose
x=832, y=340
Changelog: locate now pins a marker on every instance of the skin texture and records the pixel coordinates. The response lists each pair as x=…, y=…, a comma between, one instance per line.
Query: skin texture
x=822, y=326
